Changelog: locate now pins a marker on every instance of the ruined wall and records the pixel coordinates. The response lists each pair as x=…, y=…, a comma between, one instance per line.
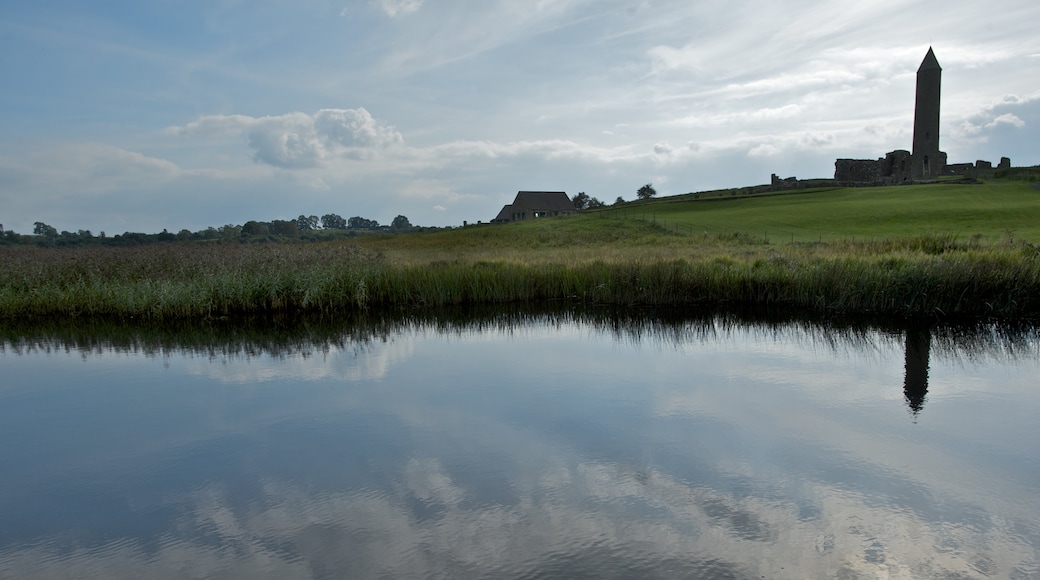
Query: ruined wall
x=857, y=170
x=966, y=169
x=893, y=169
x=897, y=166
x=779, y=184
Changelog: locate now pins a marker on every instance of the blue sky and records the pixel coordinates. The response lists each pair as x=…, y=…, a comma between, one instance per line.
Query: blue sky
x=138, y=116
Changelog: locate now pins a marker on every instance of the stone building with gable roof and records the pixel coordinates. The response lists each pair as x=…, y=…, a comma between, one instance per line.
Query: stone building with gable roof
x=535, y=204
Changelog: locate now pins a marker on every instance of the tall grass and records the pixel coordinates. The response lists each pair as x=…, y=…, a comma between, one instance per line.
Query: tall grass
x=930, y=275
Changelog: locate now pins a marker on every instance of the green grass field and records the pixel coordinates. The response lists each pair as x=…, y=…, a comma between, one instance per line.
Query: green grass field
x=930, y=250
x=991, y=210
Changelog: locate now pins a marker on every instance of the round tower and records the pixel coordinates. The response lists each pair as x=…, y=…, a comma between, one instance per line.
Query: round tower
x=928, y=161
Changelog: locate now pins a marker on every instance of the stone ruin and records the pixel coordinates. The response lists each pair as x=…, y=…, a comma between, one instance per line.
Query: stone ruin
x=927, y=162
x=892, y=169
x=981, y=168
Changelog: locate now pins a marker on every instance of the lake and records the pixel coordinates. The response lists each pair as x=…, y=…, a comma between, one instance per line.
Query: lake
x=520, y=445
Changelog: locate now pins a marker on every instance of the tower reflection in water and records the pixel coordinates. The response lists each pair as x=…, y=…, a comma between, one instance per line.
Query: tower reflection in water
x=915, y=382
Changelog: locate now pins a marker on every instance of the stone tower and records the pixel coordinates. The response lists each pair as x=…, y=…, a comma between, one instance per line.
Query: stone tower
x=928, y=162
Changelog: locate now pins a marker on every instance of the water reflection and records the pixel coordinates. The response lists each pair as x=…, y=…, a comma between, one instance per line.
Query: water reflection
x=520, y=444
x=915, y=385
x=287, y=337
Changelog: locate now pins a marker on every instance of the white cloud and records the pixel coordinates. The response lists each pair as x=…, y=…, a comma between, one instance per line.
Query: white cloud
x=298, y=140
x=764, y=150
x=395, y=8
x=209, y=125
x=1008, y=119
x=1006, y=112
x=729, y=119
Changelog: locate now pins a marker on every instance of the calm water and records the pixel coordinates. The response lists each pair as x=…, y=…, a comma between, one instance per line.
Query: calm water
x=537, y=447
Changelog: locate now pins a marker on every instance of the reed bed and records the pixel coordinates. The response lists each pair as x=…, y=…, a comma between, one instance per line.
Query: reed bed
x=936, y=276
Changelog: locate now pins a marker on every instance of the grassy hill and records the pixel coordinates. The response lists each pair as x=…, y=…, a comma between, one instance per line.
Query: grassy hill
x=981, y=215
x=991, y=210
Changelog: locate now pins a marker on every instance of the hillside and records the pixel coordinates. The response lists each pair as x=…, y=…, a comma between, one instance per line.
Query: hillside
x=992, y=210
x=986, y=214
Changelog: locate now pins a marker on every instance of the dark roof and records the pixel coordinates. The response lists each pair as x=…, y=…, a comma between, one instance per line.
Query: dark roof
x=543, y=200
x=506, y=213
x=929, y=62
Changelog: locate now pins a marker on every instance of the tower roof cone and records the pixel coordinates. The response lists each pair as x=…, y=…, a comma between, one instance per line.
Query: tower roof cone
x=929, y=62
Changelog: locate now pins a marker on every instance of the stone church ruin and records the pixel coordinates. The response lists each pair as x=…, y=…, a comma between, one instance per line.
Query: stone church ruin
x=925, y=162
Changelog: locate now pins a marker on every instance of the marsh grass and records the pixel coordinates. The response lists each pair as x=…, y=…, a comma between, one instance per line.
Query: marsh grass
x=634, y=264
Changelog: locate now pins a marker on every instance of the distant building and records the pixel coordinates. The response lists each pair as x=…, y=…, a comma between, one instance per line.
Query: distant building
x=535, y=204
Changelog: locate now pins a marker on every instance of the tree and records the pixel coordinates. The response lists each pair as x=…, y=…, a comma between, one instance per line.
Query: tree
x=400, y=223
x=42, y=229
x=287, y=228
x=580, y=200
x=595, y=203
x=331, y=221
x=254, y=228
x=307, y=223
x=620, y=200
x=646, y=192
x=360, y=223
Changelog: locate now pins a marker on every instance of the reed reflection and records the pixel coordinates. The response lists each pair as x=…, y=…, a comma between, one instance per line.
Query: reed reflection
x=290, y=336
x=308, y=336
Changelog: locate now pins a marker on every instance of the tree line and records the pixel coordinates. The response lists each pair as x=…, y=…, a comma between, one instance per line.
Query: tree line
x=303, y=228
x=583, y=201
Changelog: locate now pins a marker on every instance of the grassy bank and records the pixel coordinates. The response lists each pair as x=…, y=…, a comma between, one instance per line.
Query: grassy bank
x=920, y=276
x=987, y=269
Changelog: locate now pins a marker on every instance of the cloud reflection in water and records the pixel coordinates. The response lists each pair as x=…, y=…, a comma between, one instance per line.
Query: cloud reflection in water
x=538, y=451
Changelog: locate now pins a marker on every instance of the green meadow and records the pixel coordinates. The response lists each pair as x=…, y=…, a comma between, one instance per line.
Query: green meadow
x=943, y=250
x=991, y=210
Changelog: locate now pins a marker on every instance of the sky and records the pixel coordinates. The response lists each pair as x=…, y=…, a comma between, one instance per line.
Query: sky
x=159, y=114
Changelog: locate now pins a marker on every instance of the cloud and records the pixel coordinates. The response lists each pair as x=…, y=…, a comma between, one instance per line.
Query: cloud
x=298, y=140
x=1006, y=113
x=764, y=150
x=88, y=168
x=749, y=117
x=543, y=149
x=395, y=8
x=1008, y=119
